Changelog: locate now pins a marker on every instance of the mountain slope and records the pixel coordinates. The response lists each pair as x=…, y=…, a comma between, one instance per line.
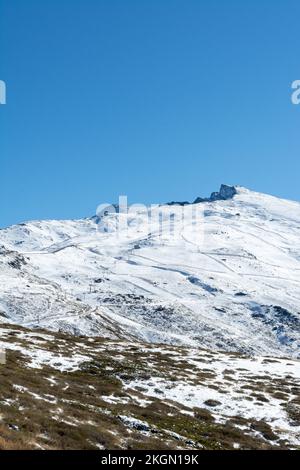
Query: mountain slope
x=63, y=392
x=226, y=277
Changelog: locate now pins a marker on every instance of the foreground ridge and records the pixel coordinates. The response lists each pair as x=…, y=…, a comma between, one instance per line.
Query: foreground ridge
x=62, y=392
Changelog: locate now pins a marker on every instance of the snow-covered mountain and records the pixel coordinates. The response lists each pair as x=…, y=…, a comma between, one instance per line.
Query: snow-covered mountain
x=221, y=273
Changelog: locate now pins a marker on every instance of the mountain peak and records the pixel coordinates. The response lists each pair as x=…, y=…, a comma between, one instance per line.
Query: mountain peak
x=225, y=192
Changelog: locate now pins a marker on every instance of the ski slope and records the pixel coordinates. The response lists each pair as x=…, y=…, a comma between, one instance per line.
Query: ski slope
x=226, y=278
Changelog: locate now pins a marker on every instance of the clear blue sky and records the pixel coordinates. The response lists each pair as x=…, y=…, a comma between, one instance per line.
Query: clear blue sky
x=156, y=99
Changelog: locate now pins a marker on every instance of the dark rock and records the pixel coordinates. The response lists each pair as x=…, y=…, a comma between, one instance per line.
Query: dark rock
x=178, y=203
x=212, y=403
x=17, y=262
x=226, y=192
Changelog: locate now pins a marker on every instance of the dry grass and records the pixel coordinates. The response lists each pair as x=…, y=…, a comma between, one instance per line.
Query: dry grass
x=50, y=409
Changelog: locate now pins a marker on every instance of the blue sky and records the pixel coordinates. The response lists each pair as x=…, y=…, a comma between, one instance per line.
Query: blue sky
x=156, y=99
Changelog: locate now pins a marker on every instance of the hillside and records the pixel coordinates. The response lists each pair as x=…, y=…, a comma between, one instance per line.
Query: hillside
x=226, y=278
x=64, y=392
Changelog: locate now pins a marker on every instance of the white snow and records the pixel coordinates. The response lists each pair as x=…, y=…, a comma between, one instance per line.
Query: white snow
x=214, y=283
x=233, y=399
